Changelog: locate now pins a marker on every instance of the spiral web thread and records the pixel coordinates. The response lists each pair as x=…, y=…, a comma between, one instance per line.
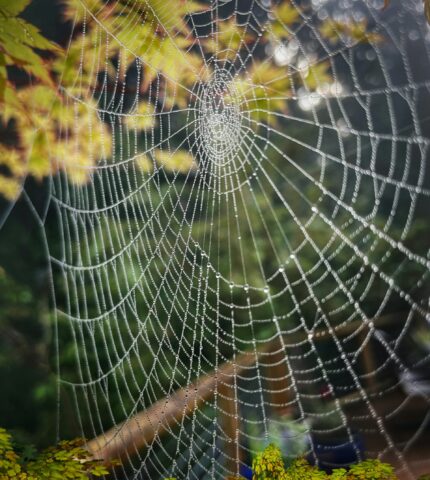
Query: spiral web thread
x=290, y=226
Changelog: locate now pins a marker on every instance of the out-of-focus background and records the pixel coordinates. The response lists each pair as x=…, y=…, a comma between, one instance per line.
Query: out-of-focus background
x=369, y=150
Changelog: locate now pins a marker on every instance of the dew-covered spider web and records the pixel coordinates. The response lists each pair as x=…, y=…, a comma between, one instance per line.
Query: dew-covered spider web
x=244, y=259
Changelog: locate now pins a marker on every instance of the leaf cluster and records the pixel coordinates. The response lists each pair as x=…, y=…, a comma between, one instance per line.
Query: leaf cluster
x=349, y=32
x=67, y=460
x=268, y=465
x=20, y=43
x=43, y=134
x=50, y=136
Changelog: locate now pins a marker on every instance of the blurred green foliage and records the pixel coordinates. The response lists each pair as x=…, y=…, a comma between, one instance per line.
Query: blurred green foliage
x=67, y=460
x=268, y=465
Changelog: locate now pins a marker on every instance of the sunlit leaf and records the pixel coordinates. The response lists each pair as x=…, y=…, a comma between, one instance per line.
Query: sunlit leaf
x=350, y=31
x=142, y=118
x=13, y=7
x=36, y=39
x=144, y=163
x=67, y=68
x=179, y=161
x=265, y=91
x=317, y=75
x=75, y=11
x=170, y=15
x=11, y=104
x=39, y=144
x=18, y=41
x=13, y=171
x=9, y=187
x=230, y=38
x=285, y=15
x=39, y=70
x=23, y=32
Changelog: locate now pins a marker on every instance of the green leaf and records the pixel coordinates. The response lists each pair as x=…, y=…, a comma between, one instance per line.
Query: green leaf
x=179, y=161
x=39, y=70
x=29, y=34
x=13, y=7
x=169, y=14
x=19, y=53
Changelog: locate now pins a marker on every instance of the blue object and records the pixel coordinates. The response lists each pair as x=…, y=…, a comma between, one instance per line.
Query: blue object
x=246, y=472
x=339, y=451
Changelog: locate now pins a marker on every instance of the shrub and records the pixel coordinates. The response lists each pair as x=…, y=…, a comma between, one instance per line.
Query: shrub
x=268, y=465
x=66, y=460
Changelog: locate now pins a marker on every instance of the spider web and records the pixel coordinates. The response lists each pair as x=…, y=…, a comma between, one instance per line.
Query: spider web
x=296, y=235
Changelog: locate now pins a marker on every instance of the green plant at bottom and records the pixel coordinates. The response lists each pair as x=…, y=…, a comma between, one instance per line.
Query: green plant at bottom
x=68, y=460
x=367, y=470
x=268, y=465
